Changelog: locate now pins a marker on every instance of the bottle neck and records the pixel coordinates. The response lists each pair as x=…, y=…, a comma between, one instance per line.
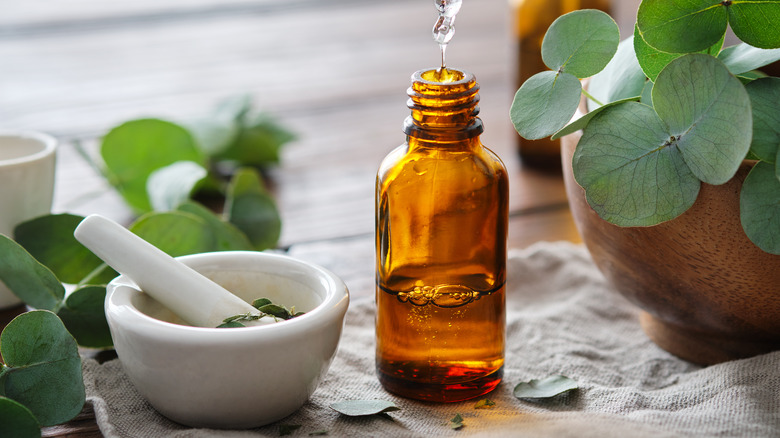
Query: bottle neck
x=444, y=107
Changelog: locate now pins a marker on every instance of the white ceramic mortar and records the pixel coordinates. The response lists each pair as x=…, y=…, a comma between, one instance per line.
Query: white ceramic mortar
x=239, y=377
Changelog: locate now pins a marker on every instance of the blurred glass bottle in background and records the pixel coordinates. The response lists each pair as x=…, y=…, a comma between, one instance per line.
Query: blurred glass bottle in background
x=531, y=20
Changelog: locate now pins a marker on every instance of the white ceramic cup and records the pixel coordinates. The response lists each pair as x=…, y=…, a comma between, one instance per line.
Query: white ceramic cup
x=27, y=162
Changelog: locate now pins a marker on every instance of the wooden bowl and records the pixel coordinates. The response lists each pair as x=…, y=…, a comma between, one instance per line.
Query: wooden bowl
x=707, y=293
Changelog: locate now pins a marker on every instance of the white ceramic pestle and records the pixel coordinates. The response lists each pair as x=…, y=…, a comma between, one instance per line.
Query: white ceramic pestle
x=187, y=293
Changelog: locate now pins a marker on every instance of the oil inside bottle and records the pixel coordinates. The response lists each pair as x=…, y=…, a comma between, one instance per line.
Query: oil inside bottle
x=441, y=227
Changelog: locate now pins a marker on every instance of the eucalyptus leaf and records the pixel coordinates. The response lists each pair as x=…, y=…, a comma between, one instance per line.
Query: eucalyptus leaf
x=175, y=233
x=681, y=26
x=580, y=43
x=217, y=132
x=288, y=429
x=709, y=110
x=653, y=60
x=765, y=99
x=743, y=58
x=755, y=22
x=622, y=78
x=44, y=370
x=252, y=210
x=631, y=173
x=50, y=240
x=359, y=408
x=169, y=186
x=485, y=403
x=647, y=94
x=457, y=422
x=29, y=280
x=16, y=421
x=275, y=310
x=544, y=104
x=231, y=324
x=84, y=317
x=228, y=236
x=582, y=122
x=545, y=388
x=258, y=143
x=133, y=150
x=759, y=207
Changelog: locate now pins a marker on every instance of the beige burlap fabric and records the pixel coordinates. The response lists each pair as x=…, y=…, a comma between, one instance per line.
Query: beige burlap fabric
x=562, y=319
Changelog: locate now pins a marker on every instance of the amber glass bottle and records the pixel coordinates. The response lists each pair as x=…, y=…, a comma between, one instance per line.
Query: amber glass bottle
x=441, y=228
x=532, y=18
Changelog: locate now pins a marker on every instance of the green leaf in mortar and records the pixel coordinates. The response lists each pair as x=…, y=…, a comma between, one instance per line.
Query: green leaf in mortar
x=84, y=317
x=135, y=149
x=712, y=124
x=765, y=99
x=544, y=104
x=17, y=421
x=169, y=186
x=622, y=78
x=50, y=240
x=29, y=280
x=252, y=210
x=580, y=43
x=229, y=237
x=743, y=58
x=260, y=302
x=759, y=207
x=175, y=233
x=275, y=310
x=42, y=372
x=630, y=175
x=359, y=408
x=544, y=388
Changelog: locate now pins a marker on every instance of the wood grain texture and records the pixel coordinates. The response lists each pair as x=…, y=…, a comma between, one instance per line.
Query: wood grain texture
x=335, y=72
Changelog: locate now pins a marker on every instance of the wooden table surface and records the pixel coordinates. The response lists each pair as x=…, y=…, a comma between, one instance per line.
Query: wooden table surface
x=335, y=72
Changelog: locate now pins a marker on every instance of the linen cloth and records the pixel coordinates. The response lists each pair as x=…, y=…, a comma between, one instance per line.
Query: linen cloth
x=562, y=318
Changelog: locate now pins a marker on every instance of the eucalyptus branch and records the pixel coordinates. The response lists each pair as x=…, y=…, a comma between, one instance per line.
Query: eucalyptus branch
x=589, y=96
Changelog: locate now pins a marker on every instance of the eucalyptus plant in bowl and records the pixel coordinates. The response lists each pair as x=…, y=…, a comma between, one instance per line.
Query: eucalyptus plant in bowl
x=673, y=172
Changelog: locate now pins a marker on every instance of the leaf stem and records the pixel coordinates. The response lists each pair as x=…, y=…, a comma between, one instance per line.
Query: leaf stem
x=588, y=95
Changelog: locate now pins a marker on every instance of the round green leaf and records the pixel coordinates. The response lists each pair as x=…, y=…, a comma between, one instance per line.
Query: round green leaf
x=743, y=58
x=175, y=233
x=173, y=184
x=632, y=174
x=765, y=98
x=544, y=388
x=50, y=240
x=84, y=317
x=653, y=60
x=544, y=104
x=16, y=421
x=252, y=210
x=580, y=43
x=45, y=368
x=759, y=207
x=681, y=26
x=622, y=78
x=709, y=110
x=756, y=22
x=258, y=142
x=582, y=122
x=29, y=280
x=133, y=150
x=228, y=236
x=359, y=408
